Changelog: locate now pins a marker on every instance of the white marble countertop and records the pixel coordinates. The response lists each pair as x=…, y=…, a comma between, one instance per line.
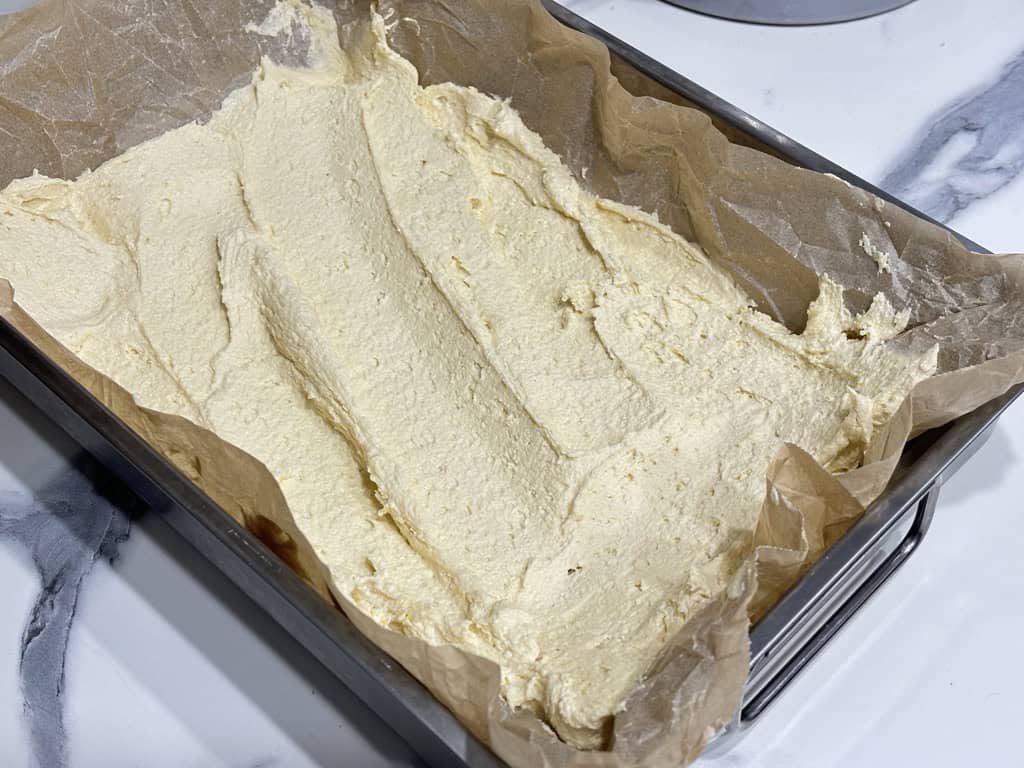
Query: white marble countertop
x=125, y=648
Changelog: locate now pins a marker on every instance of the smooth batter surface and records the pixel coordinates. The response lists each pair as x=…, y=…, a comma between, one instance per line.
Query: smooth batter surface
x=508, y=415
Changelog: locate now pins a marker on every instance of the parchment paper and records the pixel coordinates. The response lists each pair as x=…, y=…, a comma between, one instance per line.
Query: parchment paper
x=83, y=80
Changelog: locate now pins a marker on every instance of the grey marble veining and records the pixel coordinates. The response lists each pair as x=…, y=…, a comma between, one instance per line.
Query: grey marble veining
x=966, y=152
x=66, y=526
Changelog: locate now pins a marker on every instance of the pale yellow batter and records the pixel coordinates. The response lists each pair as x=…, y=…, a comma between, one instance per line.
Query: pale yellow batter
x=509, y=416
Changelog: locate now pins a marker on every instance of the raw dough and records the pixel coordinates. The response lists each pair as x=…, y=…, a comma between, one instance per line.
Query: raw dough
x=509, y=415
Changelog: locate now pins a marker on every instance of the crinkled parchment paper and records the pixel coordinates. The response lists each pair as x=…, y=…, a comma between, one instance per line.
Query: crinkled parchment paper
x=82, y=80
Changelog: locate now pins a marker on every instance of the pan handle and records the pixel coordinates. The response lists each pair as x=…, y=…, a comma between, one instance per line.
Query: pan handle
x=919, y=527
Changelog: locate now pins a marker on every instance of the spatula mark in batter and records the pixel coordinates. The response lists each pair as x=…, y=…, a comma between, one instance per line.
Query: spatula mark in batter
x=68, y=525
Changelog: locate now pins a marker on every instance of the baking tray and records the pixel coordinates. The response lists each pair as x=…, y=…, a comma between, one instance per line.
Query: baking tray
x=782, y=642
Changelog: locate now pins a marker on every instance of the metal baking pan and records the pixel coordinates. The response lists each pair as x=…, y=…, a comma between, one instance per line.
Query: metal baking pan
x=782, y=642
